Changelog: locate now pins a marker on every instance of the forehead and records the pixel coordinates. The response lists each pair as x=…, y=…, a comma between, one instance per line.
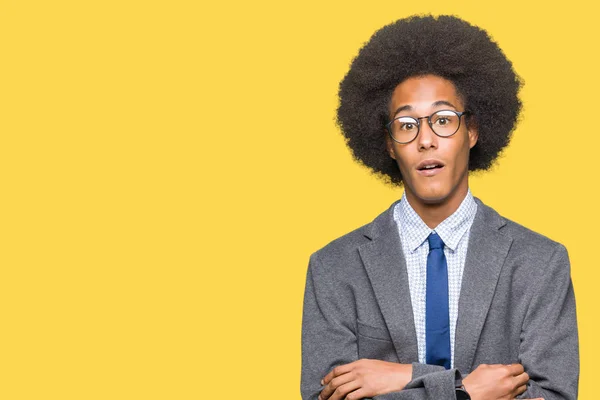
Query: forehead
x=420, y=92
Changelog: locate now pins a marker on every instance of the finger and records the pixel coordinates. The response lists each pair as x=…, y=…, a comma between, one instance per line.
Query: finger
x=515, y=369
x=521, y=379
x=358, y=394
x=341, y=392
x=335, y=383
x=520, y=390
x=337, y=371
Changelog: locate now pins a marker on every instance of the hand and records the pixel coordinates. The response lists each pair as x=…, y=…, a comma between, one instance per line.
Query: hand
x=496, y=382
x=365, y=378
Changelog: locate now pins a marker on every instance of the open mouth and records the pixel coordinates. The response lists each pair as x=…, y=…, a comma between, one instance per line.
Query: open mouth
x=430, y=167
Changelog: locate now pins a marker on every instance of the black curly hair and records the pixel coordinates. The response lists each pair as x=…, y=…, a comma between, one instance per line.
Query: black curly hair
x=445, y=46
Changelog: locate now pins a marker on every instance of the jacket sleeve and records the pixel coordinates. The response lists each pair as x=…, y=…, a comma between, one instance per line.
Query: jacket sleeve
x=329, y=340
x=549, y=348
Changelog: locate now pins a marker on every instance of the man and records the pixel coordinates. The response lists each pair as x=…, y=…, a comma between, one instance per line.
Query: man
x=439, y=297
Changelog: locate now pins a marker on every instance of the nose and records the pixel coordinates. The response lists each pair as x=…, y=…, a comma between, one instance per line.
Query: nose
x=426, y=138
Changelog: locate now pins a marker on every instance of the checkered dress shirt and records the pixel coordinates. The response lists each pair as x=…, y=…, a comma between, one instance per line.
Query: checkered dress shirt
x=454, y=231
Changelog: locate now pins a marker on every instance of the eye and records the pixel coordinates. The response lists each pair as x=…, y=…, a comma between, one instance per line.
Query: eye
x=445, y=118
x=406, y=124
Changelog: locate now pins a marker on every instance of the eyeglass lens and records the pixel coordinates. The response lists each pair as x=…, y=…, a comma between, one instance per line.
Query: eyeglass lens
x=443, y=123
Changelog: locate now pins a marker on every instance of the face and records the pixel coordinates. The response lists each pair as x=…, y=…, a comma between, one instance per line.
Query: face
x=448, y=181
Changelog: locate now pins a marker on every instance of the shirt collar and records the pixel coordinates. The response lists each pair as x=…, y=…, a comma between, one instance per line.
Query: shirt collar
x=415, y=232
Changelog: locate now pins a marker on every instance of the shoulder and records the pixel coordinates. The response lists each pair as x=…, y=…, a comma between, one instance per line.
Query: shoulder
x=524, y=240
x=343, y=252
x=347, y=243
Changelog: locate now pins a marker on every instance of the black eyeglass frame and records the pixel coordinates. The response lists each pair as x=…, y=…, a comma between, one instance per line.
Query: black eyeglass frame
x=459, y=114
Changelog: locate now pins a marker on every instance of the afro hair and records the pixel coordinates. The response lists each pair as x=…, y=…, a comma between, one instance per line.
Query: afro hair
x=445, y=46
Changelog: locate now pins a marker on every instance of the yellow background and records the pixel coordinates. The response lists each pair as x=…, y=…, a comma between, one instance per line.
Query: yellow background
x=167, y=168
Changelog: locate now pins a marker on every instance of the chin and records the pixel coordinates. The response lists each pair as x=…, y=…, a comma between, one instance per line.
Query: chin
x=433, y=198
x=432, y=195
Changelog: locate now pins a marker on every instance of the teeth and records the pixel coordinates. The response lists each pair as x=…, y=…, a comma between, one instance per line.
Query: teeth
x=430, y=166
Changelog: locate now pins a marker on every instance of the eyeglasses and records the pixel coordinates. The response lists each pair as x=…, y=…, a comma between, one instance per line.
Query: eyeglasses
x=443, y=123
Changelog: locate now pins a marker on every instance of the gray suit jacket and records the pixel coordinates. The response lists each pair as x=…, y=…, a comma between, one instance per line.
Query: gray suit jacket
x=516, y=306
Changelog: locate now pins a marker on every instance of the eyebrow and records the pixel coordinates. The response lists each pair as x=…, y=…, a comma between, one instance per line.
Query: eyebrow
x=435, y=104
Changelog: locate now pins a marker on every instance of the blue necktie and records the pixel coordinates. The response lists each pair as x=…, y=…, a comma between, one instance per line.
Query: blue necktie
x=437, y=319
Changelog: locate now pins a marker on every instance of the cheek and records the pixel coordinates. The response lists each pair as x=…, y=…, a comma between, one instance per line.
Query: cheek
x=403, y=161
x=462, y=158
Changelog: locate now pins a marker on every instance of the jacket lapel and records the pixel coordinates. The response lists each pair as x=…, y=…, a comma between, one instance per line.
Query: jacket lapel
x=386, y=268
x=487, y=251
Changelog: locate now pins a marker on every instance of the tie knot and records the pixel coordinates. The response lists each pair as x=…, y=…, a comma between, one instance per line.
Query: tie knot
x=435, y=241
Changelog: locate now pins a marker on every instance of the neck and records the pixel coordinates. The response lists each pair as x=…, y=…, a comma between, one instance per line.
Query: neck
x=434, y=212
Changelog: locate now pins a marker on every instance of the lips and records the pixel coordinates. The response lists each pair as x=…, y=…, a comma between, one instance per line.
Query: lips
x=429, y=164
x=430, y=167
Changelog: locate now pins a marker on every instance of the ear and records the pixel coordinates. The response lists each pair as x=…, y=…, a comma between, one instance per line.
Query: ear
x=473, y=135
x=390, y=146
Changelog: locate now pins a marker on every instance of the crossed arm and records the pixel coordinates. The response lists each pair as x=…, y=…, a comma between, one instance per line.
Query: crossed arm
x=369, y=378
x=548, y=351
